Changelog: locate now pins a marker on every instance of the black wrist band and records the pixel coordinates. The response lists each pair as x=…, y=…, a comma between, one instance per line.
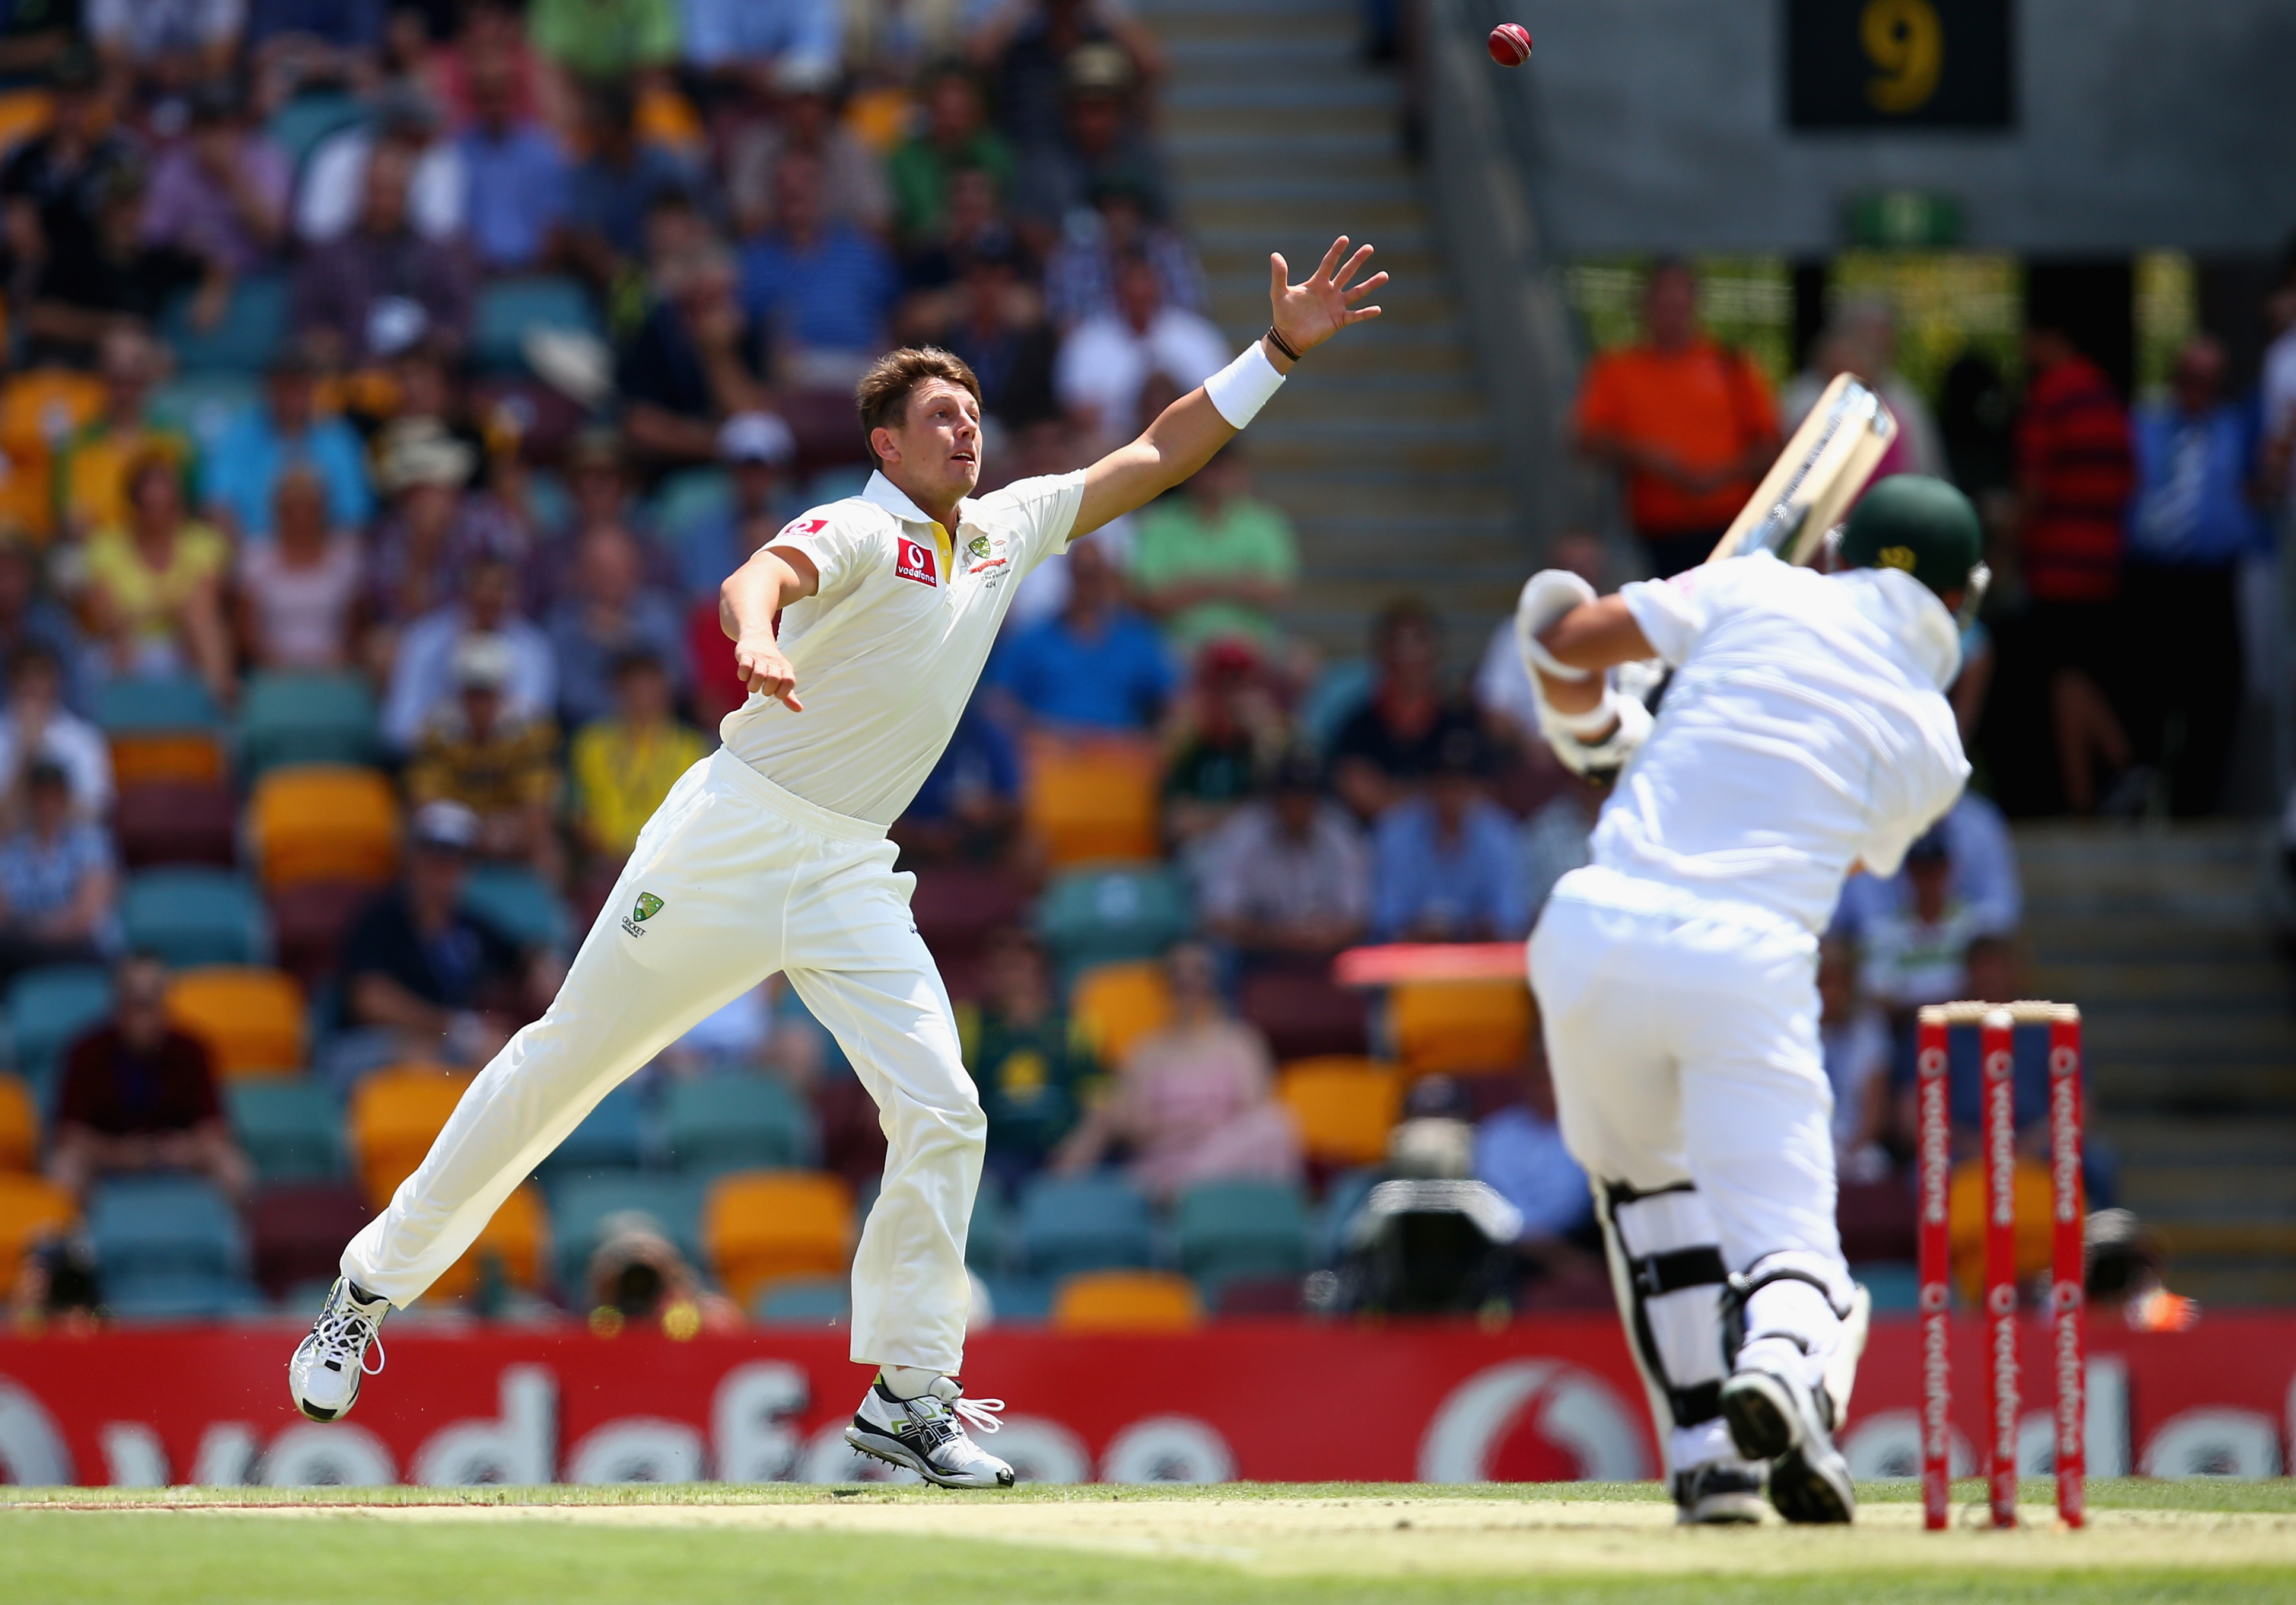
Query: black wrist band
x=1281, y=344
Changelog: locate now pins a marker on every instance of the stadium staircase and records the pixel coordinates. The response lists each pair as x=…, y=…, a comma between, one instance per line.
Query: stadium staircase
x=1280, y=137
x=2163, y=938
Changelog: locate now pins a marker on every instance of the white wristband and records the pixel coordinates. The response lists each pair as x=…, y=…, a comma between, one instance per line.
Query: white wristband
x=1239, y=390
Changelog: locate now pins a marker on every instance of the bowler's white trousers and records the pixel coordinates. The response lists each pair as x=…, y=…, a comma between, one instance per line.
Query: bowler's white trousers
x=751, y=879
x=1682, y=1035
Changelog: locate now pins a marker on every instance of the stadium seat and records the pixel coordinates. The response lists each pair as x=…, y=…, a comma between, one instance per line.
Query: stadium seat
x=579, y=1204
x=394, y=1115
x=1454, y=1026
x=1241, y=1229
x=162, y=1224
x=687, y=497
x=1092, y=801
x=1256, y=1296
x=960, y=903
x=805, y=1301
x=30, y=1207
x=1965, y=1223
x=298, y=1231
x=193, y=916
x=1099, y=916
x=20, y=1124
x=48, y=1008
x=515, y=1244
x=610, y=1137
x=201, y=407
x=764, y=1226
x=301, y=125
x=161, y=730
x=324, y=822
x=1095, y=1222
x=308, y=923
x=253, y=327
x=508, y=307
x=987, y=1239
x=1115, y=1005
x=1018, y=1300
x=179, y=1296
x=1344, y=1108
x=1126, y=1301
x=250, y=1018
x=1343, y=1197
x=1304, y=1012
x=736, y=1121
x=308, y=718
x=290, y=1128
x=39, y=411
x=520, y=903
x=160, y=822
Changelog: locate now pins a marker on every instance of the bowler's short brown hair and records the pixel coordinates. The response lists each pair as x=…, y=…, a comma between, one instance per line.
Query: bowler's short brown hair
x=882, y=395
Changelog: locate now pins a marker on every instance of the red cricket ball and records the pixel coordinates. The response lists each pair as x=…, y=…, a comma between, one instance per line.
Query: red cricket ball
x=1509, y=44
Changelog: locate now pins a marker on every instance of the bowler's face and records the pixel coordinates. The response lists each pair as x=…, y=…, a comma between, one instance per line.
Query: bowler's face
x=936, y=450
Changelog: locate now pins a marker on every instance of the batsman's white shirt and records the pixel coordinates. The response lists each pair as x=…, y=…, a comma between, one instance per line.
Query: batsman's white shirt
x=770, y=854
x=1805, y=728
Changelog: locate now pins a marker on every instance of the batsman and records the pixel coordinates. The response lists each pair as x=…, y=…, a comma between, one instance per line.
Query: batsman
x=1803, y=732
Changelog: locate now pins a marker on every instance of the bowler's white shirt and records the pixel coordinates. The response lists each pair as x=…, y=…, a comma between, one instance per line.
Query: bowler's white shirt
x=1805, y=729
x=888, y=650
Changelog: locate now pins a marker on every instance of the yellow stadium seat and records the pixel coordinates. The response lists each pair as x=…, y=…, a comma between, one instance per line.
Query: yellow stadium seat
x=251, y=1017
x=1115, y=1005
x=30, y=1207
x=140, y=757
x=1092, y=801
x=396, y=1114
x=324, y=822
x=1965, y=1216
x=1126, y=1301
x=1454, y=1026
x=20, y=1124
x=38, y=412
x=1343, y=1107
x=518, y=1238
x=762, y=1226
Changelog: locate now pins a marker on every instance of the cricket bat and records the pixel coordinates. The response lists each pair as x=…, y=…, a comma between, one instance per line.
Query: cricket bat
x=1810, y=487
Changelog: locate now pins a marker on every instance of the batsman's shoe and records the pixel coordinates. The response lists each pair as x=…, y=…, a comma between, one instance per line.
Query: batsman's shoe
x=1719, y=1493
x=1784, y=1422
x=323, y=1377
x=927, y=1434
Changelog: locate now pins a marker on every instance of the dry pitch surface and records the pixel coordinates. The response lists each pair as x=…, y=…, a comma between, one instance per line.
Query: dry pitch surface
x=1327, y=1544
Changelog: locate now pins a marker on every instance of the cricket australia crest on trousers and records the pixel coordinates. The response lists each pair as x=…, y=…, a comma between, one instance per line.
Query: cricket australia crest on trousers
x=645, y=908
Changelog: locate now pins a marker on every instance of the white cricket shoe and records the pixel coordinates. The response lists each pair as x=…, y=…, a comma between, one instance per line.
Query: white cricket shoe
x=323, y=1377
x=927, y=1434
x=1719, y=1492
x=1781, y=1420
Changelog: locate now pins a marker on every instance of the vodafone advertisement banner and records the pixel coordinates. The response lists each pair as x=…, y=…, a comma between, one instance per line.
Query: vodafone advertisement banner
x=1541, y=1400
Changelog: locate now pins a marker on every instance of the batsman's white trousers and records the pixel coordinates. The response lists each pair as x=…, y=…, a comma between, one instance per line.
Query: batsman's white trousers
x=1682, y=1033
x=751, y=879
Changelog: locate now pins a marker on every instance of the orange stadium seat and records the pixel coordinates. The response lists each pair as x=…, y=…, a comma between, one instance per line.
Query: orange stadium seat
x=30, y=1207
x=38, y=412
x=251, y=1017
x=395, y=1116
x=1460, y=1026
x=1126, y=1301
x=518, y=1240
x=20, y=1124
x=1964, y=1214
x=142, y=758
x=1115, y=1005
x=1344, y=1108
x=763, y=1226
x=1092, y=801
x=324, y=822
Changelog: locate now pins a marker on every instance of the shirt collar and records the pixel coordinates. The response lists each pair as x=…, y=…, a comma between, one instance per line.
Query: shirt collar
x=884, y=493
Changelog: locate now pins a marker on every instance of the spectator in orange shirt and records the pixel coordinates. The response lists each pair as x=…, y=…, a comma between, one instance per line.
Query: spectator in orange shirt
x=1689, y=423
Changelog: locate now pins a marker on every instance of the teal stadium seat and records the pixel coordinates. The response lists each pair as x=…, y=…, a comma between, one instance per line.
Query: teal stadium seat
x=1231, y=1231
x=155, y=705
x=203, y=406
x=253, y=328
x=1093, y=1222
x=508, y=308
x=291, y=1128
x=688, y=497
x=189, y=915
x=517, y=902
x=49, y=1008
x=736, y=1120
x=805, y=1301
x=578, y=1205
x=1111, y=914
x=155, y=1226
x=300, y=126
x=611, y=1137
x=293, y=719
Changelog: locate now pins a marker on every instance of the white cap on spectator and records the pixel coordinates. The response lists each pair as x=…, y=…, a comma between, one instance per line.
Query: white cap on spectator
x=419, y=451
x=483, y=662
x=448, y=825
x=800, y=74
x=757, y=438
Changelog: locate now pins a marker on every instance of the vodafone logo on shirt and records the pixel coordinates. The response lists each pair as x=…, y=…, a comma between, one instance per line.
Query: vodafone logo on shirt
x=914, y=560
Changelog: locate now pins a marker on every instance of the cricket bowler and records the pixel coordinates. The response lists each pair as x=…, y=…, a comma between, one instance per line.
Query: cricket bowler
x=859, y=631
x=1804, y=733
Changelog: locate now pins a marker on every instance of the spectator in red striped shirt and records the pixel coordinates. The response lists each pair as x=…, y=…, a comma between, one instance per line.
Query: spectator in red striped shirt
x=2075, y=476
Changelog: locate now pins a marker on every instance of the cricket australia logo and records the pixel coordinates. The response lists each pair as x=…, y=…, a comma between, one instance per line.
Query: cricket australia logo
x=648, y=906
x=979, y=551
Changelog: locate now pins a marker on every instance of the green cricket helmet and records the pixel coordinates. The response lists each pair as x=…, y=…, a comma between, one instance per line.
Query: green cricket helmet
x=1921, y=526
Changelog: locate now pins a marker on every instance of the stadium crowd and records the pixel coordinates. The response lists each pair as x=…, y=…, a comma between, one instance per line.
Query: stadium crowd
x=393, y=388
